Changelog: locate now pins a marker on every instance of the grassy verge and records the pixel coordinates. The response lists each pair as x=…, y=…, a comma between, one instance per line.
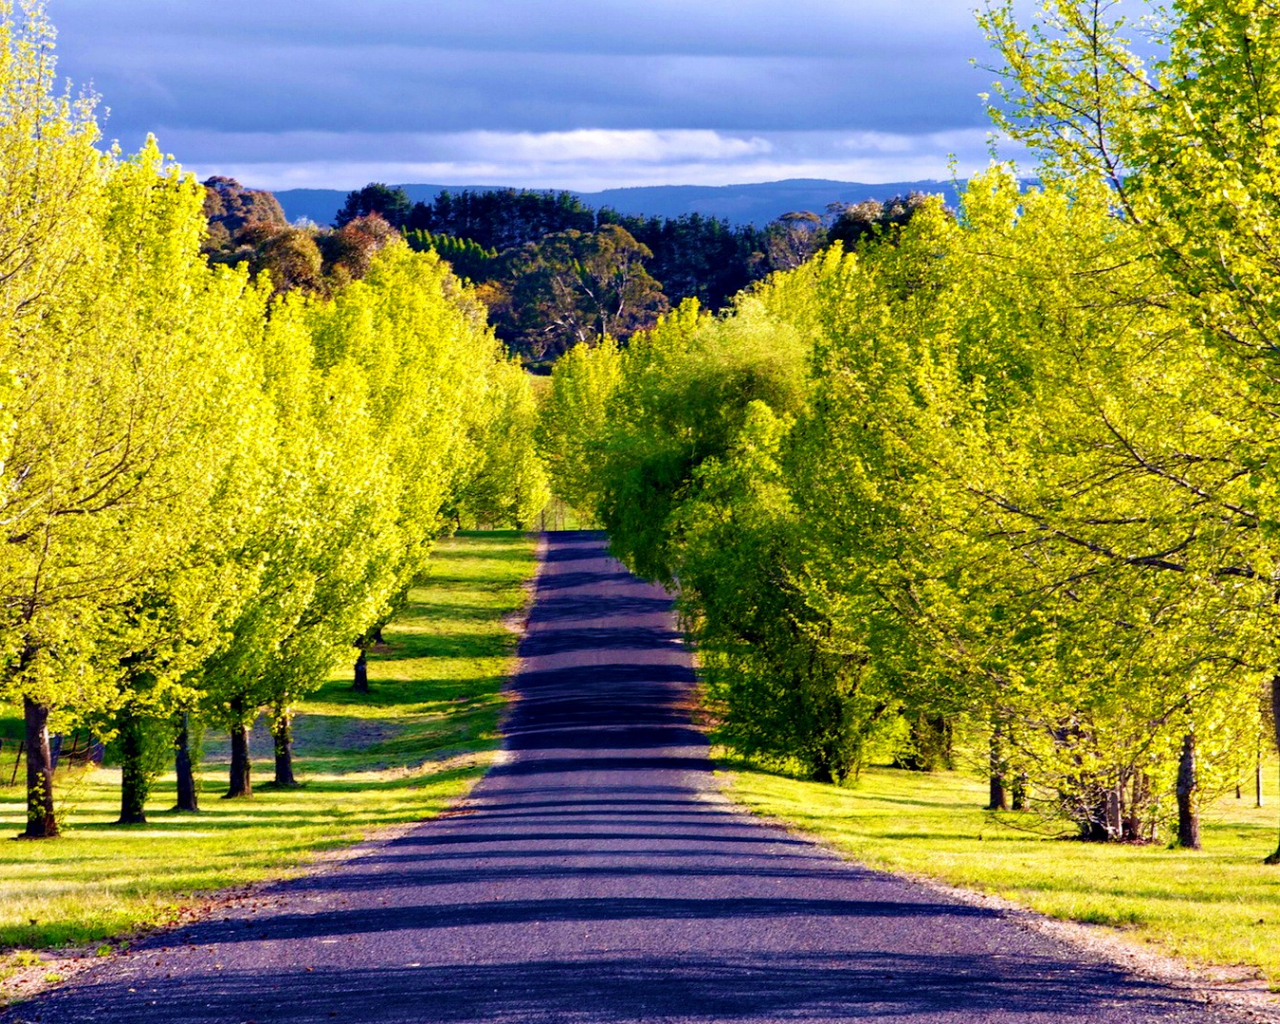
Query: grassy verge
x=1219, y=906
x=401, y=754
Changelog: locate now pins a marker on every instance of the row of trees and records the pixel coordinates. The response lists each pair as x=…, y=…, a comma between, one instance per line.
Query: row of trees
x=211, y=492
x=1012, y=471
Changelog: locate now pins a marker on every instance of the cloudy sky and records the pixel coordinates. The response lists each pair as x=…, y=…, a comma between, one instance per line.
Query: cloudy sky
x=582, y=94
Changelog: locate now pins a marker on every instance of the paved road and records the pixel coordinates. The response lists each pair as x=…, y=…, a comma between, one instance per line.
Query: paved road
x=595, y=877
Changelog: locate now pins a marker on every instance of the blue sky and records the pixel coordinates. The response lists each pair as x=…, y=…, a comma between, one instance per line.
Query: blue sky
x=582, y=94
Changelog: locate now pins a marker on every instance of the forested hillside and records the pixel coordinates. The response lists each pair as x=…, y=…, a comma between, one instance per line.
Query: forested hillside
x=1003, y=478
x=551, y=271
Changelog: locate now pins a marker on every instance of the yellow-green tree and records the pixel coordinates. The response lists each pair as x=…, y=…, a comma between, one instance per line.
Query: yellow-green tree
x=1190, y=147
x=572, y=417
x=124, y=378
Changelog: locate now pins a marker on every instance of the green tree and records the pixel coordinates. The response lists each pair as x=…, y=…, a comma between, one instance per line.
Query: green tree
x=573, y=287
x=1188, y=148
x=391, y=204
x=121, y=391
x=573, y=417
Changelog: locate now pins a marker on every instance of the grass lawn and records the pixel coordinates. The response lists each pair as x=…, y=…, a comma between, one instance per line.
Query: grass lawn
x=1219, y=906
x=403, y=753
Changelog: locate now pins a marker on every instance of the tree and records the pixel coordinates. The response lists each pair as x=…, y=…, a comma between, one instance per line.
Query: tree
x=391, y=204
x=572, y=287
x=793, y=239
x=1189, y=153
x=121, y=390
x=349, y=251
x=291, y=258
x=178, y=617
x=502, y=219
x=914, y=483
x=698, y=257
x=872, y=219
x=231, y=207
x=507, y=484
x=573, y=417
x=468, y=258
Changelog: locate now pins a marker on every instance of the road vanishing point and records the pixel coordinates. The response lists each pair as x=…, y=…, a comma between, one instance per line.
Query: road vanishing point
x=597, y=876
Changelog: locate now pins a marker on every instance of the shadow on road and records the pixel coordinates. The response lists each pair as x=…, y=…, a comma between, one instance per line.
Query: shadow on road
x=596, y=877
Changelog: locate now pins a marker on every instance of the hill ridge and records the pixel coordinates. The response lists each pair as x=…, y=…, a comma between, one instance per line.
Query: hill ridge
x=747, y=203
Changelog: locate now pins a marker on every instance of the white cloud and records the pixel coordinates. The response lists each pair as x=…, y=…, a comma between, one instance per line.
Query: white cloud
x=595, y=145
x=590, y=160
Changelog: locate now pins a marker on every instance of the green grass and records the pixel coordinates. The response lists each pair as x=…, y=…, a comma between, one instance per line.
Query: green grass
x=403, y=753
x=1219, y=906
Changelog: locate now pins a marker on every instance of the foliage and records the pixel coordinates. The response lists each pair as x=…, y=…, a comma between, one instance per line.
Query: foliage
x=502, y=219
x=229, y=208
x=572, y=417
x=248, y=227
x=916, y=484
x=213, y=488
x=572, y=287
x=391, y=204
x=1188, y=149
x=1020, y=475
x=396, y=401
x=793, y=239
x=852, y=223
x=468, y=258
x=697, y=257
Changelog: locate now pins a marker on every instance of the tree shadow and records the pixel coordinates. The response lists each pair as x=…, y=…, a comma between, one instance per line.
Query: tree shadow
x=328, y=984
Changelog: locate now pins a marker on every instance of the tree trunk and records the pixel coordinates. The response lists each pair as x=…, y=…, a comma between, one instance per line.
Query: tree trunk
x=188, y=797
x=999, y=795
x=282, y=733
x=1275, y=721
x=931, y=744
x=41, y=823
x=134, y=781
x=361, y=684
x=1139, y=798
x=241, y=785
x=1188, y=791
x=1018, y=793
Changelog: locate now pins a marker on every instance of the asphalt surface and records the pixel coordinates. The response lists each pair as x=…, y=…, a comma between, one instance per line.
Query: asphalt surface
x=596, y=876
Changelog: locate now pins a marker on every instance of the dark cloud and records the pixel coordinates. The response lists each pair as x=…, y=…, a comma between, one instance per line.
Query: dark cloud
x=802, y=28
x=214, y=75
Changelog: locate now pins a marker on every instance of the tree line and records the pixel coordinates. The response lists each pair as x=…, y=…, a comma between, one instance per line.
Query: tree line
x=554, y=272
x=1005, y=475
x=215, y=486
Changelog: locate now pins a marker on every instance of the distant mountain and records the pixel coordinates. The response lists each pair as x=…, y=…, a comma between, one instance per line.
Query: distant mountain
x=738, y=204
x=758, y=203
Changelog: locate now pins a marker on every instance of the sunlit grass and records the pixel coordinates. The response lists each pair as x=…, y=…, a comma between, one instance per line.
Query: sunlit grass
x=1218, y=906
x=400, y=754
